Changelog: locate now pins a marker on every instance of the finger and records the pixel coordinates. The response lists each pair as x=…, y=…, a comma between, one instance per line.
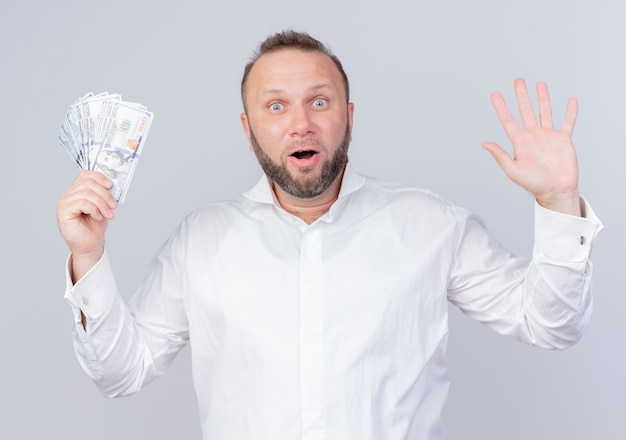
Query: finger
x=103, y=202
x=504, y=160
x=95, y=176
x=545, y=109
x=523, y=103
x=511, y=128
x=86, y=207
x=97, y=182
x=82, y=198
x=571, y=113
x=74, y=204
x=71, y=209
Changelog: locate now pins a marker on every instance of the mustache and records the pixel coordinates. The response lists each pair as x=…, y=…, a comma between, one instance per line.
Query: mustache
x=304, y=144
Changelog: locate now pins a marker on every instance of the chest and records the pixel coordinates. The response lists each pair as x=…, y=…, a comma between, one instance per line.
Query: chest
x=368, y=283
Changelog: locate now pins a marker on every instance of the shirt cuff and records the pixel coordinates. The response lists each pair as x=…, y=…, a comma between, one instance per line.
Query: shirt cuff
x=94, y=293
x=565, y=237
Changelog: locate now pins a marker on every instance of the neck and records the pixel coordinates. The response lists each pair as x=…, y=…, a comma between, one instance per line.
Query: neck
x=312, y=208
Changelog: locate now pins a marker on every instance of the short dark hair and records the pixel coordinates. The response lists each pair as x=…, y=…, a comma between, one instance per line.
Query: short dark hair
x=290, y=39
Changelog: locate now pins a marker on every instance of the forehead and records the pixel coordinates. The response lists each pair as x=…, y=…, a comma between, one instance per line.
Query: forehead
x=293, y=69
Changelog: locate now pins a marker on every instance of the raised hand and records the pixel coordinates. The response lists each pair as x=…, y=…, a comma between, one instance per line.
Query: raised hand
x=544, y=160
x=83, y=213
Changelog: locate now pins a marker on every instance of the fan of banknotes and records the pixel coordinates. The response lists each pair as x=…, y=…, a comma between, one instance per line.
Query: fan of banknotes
x=103, y=133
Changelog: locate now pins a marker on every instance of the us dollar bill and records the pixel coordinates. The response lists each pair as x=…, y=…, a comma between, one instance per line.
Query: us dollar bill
x=123, y=140
x=106, y=134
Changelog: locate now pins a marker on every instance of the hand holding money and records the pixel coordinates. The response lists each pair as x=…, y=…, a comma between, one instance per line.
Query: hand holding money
x=103, y=133
x=104, y=137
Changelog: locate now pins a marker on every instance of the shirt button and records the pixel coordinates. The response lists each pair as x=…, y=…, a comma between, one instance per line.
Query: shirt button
x=85, y=300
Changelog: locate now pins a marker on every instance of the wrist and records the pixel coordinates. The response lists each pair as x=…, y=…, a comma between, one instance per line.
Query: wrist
x=82, y=262
x=566, y=203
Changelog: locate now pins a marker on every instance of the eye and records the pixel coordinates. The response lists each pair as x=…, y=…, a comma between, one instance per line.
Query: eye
x=276, y=107
x=319, y=103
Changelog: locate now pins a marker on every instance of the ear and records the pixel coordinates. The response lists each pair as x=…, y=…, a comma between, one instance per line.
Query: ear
x=350, y=116
x=245, y=124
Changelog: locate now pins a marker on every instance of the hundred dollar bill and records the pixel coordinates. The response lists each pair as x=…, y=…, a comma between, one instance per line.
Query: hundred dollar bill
x=103, y=133
x=124, y=133
x=91, y=110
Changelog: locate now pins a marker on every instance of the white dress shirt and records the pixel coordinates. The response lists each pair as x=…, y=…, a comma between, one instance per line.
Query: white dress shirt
x=333, y=330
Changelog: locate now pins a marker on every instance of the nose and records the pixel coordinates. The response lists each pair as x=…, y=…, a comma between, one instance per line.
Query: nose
x=301, y=121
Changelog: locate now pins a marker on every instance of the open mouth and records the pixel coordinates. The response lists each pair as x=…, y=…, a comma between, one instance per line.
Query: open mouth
x=305, y=154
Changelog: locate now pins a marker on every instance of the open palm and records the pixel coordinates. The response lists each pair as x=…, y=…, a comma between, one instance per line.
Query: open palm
x=544, y=160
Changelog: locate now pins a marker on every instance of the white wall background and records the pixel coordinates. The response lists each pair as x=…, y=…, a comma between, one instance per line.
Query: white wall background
x=421, y=76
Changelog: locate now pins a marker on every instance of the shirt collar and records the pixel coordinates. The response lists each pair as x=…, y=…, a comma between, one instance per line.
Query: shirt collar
x=262, y=192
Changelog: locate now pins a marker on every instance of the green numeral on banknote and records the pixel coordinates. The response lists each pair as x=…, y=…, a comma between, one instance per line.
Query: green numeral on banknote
x=125, y=126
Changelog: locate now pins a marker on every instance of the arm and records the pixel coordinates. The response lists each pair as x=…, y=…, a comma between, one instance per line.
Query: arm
x=83, y=213
x=120, y=349
x=544, y=160
x=547, y=301
x=124, y=347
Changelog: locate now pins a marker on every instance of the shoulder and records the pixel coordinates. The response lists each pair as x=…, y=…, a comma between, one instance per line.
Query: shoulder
x=222, y=210
x=215, y=216
x=410, y=199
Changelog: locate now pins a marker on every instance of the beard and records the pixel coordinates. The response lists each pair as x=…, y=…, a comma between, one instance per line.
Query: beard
x=303, y=187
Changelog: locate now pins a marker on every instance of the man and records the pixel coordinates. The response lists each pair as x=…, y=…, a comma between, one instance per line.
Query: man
x=316, y=304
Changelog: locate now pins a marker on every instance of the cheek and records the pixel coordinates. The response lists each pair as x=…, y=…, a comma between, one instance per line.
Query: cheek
x=269, y=137
x=274, y=131
x=336, y=126
x=271, y=130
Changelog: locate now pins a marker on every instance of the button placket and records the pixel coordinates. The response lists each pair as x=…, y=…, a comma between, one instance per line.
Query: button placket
x=312, y=336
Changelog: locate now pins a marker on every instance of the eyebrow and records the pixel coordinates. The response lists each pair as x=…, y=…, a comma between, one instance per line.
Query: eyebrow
x=314, y=88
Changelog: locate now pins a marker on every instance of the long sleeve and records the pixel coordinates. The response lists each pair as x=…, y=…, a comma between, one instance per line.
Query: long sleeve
x=339, y=326
x=546, y=301
x=120, y=351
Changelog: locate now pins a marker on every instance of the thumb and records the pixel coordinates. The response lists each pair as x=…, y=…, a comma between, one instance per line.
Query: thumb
x=504, y=160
